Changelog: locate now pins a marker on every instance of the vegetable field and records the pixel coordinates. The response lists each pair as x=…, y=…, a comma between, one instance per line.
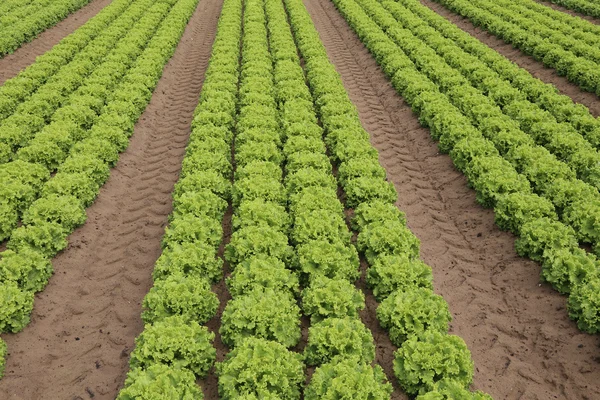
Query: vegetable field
x=299, y=199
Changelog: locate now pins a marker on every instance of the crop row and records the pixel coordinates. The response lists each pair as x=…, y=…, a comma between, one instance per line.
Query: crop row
x=20, y=22
x=587, y=7
x=52, y=207
x=416, y=318
x=546, y=96
x=19, y=88
x=542, y=237
x=544, y=151
x=84, y=82
x=339, y=344
x=570, y=51
x=174, y=349
x=262, y=320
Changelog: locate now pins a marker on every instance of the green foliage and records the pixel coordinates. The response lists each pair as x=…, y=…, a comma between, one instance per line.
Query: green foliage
x=9, y=219
x=306, y=159
x=262, y=272
x=366, y=189
x=65, y=211
x=584, y=216
x=187, y=296
x=492, y=177
x=29, y=269
x=210, y=180
x=326, y=298
x=316, y=198
x=348, y=378
x=258, y=368
x=423, y=360
x=542, y=234
x=309, y=177
x=177, y=343
x=259, y=212
x=159, y=382
x=79, y=185
x=319, y=225
x=258, y=187
x=264, y=168
x=191, y=259
x=360, y=168
x=332, y=260
x=514, y=210
x=3, y=352
x=264, y=313
x=15, y=307
x=451, y=390
x=387, y=238
x=584, y=305
x=47, y=238
x=346, y=337
x=198, y=204
x=564, y=267
x=190, y=229
x=258, y=240
x=375, y=211
x=88, y=165
x=390, y=273
x=412, y=312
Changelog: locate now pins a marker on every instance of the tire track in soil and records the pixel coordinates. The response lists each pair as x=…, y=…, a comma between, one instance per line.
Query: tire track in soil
x=11, y=64
x=573, y=13
x=534, y=67
x=522, y=342
x=85, y=322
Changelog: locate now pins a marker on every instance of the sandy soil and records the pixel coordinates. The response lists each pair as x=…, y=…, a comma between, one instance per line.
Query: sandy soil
x=84, y=323
x=523, y=344
x=534, y=67
x=11, y=64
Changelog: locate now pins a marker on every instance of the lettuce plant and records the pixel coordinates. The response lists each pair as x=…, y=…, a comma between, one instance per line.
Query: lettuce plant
x=160, y=381
x=333, y=337
x=423, y=360
x=260, y=369
x=412, y=312
x=187, y=296
x=264, y=313
x=190, y=259
x=326, y=298
x=348, y=378
x=390, y=273
x=176, y=342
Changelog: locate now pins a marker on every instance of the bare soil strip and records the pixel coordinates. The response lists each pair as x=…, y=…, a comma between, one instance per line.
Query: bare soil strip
x=556, y=7
x=85, y=322
x=523, y=344
x=535, y=68
x=11, y=64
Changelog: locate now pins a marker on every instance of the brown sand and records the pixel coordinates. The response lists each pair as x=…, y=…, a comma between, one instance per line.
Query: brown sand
x=11, y=64
x=84, y=323
x=522, y=342
x=534, y=67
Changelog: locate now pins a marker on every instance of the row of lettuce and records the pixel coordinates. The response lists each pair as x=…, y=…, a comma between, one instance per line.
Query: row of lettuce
x=587, y=7
x=289, y=232
x=523, y=204
x=567, y=44
x=21, y=21
x=88, y=140
x=554, y=156
x=429, y=362
x=175, y=349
